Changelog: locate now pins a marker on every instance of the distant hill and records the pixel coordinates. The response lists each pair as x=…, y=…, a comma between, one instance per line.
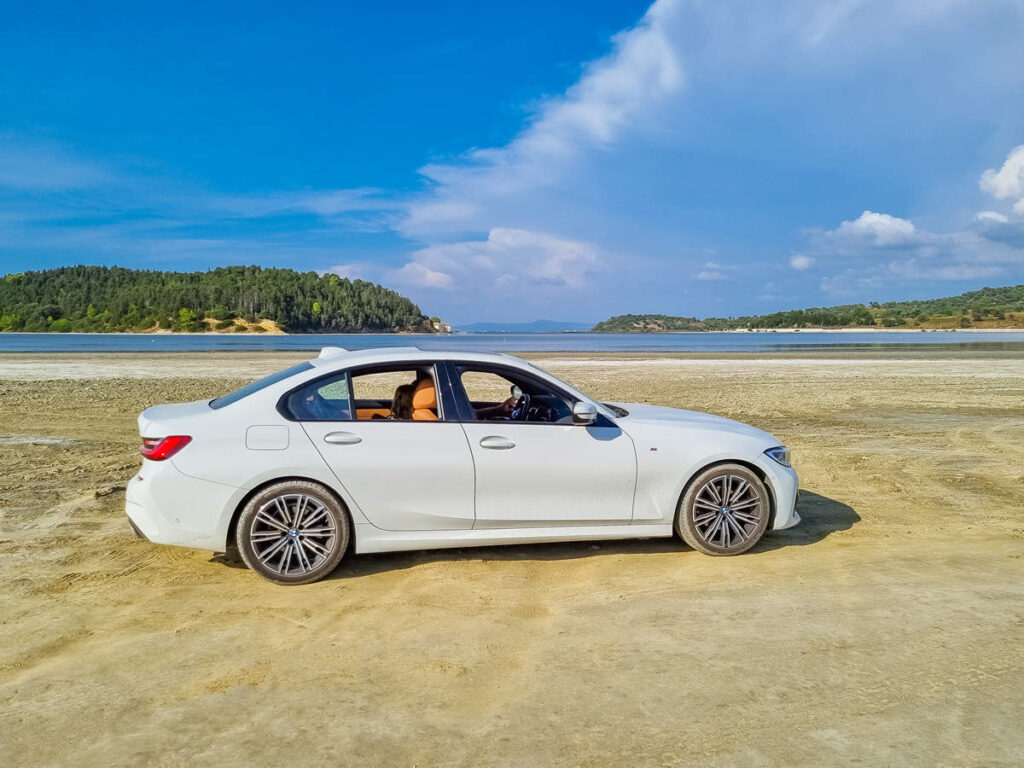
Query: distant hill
x=987, y=308
x=235, y=299
x=536, y=326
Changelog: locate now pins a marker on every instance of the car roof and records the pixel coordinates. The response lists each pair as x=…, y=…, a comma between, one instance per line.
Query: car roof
x=338, y=357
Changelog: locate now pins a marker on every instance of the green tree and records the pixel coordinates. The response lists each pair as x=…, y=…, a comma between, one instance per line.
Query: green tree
x=187, y=319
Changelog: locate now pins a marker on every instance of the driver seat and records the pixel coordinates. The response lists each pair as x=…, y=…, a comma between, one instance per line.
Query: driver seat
x=424, y=401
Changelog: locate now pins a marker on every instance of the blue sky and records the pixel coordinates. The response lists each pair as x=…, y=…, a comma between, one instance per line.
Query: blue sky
x=566, y=160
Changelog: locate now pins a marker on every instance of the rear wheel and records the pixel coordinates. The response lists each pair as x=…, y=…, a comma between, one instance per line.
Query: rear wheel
x=724, y=511
x=293, y=532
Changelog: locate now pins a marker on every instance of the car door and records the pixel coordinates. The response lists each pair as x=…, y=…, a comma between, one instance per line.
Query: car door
x=404, y=475
x=550, y=474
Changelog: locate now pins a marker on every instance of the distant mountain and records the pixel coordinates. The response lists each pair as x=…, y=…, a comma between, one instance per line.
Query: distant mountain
x=987, y=308
x=535, y=326
x=227, y=299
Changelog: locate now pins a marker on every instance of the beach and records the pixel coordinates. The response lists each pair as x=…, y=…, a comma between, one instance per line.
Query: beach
x=885, y=629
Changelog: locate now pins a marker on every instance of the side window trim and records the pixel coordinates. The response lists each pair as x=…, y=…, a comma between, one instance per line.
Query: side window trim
x=507, y=372
x=466, y=411
x=463, y=406
x=449, y=406
x=401, y=365
x=438, y=374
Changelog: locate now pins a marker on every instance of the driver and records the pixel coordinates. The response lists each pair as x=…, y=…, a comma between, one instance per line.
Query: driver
x=496, y=411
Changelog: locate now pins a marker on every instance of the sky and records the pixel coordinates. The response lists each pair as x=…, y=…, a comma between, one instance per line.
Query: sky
x=566, y=161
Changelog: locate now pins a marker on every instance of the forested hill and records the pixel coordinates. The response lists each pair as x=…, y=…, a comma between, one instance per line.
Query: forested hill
x=226, y=299
x=987, y=308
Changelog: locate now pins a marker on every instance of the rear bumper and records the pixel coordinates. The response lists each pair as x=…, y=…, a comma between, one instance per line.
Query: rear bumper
x=167, y=507
x=136, y=530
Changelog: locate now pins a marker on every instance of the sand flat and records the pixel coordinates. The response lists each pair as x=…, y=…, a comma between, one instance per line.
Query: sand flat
x=886, y=629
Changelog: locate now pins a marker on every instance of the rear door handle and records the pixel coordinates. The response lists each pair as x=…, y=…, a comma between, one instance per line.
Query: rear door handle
x=496, y=443
x=342, y=438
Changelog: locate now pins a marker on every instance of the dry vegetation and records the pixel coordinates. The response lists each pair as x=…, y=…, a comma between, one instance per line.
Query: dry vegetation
x=884, y=630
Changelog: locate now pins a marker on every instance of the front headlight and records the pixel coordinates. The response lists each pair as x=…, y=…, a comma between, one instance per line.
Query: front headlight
x=781, y=454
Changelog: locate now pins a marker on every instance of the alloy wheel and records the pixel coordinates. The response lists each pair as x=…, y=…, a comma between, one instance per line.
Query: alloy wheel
x=293, y=534
x=727, y=511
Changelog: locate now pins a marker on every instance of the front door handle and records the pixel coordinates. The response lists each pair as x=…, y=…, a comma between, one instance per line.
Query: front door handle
x=496, y=443
x=342, y=438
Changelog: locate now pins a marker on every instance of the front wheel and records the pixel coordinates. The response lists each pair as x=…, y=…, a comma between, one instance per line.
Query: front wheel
x=724, y=511
x=293, y=532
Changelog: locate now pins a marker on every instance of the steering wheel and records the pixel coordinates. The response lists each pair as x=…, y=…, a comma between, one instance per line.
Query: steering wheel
x=521, y=409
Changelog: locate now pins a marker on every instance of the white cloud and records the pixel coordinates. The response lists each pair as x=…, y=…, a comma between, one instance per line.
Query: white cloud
x=507, y=257
x=879, y=229
x=992, y=216
x=614, y=93
x=1008, y=181
x=714, y=271
x=999, y=228
x=799, y=262
x=417, y=275
x=878, y=249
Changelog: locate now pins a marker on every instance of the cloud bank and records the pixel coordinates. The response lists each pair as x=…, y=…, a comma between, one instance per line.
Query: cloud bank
x=877, y=248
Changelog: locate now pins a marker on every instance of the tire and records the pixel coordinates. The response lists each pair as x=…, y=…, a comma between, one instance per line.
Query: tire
x=724, y=510
x=293, y=532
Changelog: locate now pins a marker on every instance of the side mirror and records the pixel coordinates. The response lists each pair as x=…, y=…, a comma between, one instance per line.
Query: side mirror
x=584, y=413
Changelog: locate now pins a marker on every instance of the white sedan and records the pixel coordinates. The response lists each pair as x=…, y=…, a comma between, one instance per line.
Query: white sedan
x=381, y=450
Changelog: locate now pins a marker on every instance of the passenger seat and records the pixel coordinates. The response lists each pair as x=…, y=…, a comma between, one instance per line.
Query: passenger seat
x=424, y=401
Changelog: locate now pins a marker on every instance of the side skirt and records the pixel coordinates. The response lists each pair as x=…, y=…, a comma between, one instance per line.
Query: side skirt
x=372, y=539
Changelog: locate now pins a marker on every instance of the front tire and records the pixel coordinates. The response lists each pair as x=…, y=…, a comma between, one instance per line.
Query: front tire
x=293, y=532
x=724, y=510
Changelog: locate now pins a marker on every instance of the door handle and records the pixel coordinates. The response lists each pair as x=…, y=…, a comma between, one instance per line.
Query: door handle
x=342, y=438
x=496, y=443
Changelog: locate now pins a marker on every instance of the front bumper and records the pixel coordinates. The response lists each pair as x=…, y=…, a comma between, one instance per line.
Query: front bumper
x=785, y=488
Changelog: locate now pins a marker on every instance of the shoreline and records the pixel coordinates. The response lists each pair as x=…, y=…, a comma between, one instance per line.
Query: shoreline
x=250, y=365
x=738, y=331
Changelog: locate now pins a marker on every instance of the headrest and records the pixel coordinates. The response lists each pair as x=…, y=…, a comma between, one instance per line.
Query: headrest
x=424, y=396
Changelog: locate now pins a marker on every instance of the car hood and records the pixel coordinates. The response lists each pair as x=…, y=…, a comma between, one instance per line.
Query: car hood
x=656, y=415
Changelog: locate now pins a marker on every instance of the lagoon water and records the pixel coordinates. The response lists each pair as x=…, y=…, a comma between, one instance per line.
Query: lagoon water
x=510, y=342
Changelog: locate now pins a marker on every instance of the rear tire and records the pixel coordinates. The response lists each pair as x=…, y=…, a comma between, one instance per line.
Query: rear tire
x=724, y=510
x=293, y=532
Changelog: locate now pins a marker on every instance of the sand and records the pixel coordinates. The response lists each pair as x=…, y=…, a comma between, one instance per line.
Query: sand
x=886, y=629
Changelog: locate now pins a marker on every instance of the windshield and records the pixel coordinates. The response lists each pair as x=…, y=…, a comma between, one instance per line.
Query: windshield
x=256, y=386
x=612, y=410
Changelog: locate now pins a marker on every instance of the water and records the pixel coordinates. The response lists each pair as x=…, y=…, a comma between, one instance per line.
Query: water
x=510, y=342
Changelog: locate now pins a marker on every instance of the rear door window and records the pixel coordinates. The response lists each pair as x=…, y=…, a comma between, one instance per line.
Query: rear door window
x=396, y=394
x=326, y=399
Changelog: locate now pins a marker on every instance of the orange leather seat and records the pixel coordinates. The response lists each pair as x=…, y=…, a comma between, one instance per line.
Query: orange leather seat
x=365, y=414
x=424, y=401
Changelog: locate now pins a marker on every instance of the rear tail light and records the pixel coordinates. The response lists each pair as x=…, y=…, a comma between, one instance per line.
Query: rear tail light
x=160, y=448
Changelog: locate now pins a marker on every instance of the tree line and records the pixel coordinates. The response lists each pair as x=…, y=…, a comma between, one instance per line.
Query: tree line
x=103, y=299
x=962, y=311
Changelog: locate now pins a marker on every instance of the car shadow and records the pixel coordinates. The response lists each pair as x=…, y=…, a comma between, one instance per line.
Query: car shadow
x=820, y=517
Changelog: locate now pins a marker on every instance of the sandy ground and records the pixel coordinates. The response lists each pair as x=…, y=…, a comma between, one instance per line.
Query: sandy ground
x=885, y=630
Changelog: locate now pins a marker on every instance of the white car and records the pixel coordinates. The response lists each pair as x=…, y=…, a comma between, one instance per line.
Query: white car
x=380, y=450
